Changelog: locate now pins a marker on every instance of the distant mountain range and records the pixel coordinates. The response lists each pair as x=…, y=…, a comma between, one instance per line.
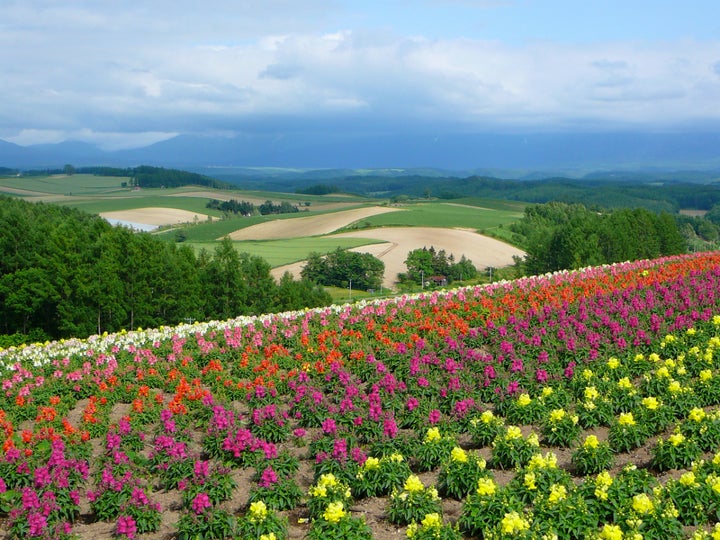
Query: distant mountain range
x=500, y=154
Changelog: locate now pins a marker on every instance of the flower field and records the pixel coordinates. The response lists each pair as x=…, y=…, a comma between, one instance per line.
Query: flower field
x=575, y=405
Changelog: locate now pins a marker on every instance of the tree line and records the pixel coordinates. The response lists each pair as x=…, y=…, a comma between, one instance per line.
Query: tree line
x=245, y=208
x=66, y=273
x=557, y=236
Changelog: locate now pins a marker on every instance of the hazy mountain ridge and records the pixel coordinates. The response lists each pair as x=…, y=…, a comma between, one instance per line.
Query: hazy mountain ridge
x=513, y=156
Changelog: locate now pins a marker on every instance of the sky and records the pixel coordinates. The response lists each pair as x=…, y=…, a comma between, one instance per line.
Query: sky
x=126, y=73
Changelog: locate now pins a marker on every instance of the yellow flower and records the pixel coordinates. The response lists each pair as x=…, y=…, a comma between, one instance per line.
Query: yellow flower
x=674, y=387
x=328, y=480
x=524, y=400
x=487, y=417
x=676, y=439
x=433, y=435
x=269, y=536
x=643, y=504
x=318, y=491
x=513, y=523
x=714, y=482
x=716, y=530
x=626, y=419
x=613, y=363
x=412, y=529
x=432, y=521
x=371, y=463
x=591, y=441
x=705, y=375
x=486, y=487
x=558, y=492
x=334, y=512
x=513, y=432
x=603, y=479
x=591, y=392
x=669, y=338
x=547, y=391
x=533, y=439
x=529, y=481
x=625, y=383
x=459, y=455
x=688, y=479
x=611, y=532
x=258, y=511
x=557, y=414
x=697, y=414
x=662, y=372
x=691, y=331
x=651, y=403
x=587, y=374
x=413, y=484
x=395, y=457
x=670, y=363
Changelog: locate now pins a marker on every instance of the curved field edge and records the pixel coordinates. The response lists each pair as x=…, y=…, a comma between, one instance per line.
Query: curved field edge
x=536, y=334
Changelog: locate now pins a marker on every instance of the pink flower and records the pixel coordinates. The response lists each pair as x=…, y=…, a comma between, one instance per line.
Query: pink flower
x=269, y=478
x=126, y=526
x=434, y=416
x=329, y=426
x=201, y=502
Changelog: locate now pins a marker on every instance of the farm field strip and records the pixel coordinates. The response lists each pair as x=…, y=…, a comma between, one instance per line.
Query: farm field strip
x=578, y=404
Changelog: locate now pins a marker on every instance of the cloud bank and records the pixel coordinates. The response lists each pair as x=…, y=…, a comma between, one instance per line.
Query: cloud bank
x=124, y=74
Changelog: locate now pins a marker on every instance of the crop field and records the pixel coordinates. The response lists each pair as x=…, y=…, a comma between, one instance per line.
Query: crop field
x=574, y=405
x=281, y=252
x=285, y=240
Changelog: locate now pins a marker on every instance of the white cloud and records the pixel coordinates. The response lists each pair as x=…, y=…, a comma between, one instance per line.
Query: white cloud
x=165, y=67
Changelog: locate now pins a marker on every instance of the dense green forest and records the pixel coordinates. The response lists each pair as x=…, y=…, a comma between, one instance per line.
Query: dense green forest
x=559, y=236
x=67, y=273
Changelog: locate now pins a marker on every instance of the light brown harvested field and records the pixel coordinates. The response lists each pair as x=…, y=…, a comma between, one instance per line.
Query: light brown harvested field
x=155, y=216
x=483, y=251
x=307, y=226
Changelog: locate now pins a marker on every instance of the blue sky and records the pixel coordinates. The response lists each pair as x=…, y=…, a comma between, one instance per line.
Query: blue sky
x=123, y=73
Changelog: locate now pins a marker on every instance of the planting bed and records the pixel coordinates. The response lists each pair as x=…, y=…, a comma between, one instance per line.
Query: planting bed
x=574, y=405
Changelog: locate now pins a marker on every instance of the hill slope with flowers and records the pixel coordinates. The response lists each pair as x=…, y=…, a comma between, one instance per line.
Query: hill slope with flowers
x=573, y=405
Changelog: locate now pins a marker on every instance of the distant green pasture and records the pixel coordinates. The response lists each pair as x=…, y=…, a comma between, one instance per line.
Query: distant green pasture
x=114, y=204
x=443, y=215
x=77, y=184
x=280, y=252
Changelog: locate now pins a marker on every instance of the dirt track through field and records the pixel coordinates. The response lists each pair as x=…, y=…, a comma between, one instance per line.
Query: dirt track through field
x=483, y=251
x=307, y=226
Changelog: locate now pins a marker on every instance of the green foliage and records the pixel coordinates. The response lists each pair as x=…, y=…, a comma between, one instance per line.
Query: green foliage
x=424, y=263
x=344, y=269
x=559, y=236
x=67, y=273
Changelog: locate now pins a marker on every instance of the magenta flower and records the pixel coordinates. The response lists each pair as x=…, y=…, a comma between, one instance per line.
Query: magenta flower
x=37, y=524
x=201, y=502
x=434, y=416
x=126, y=526
x=269, y=478
x=329, y=426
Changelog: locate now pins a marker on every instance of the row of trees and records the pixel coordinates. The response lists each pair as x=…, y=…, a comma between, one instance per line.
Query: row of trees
x=245, y=208
x=425, y=263
x=560, y=236
x=67, y=273
x=342, y=268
